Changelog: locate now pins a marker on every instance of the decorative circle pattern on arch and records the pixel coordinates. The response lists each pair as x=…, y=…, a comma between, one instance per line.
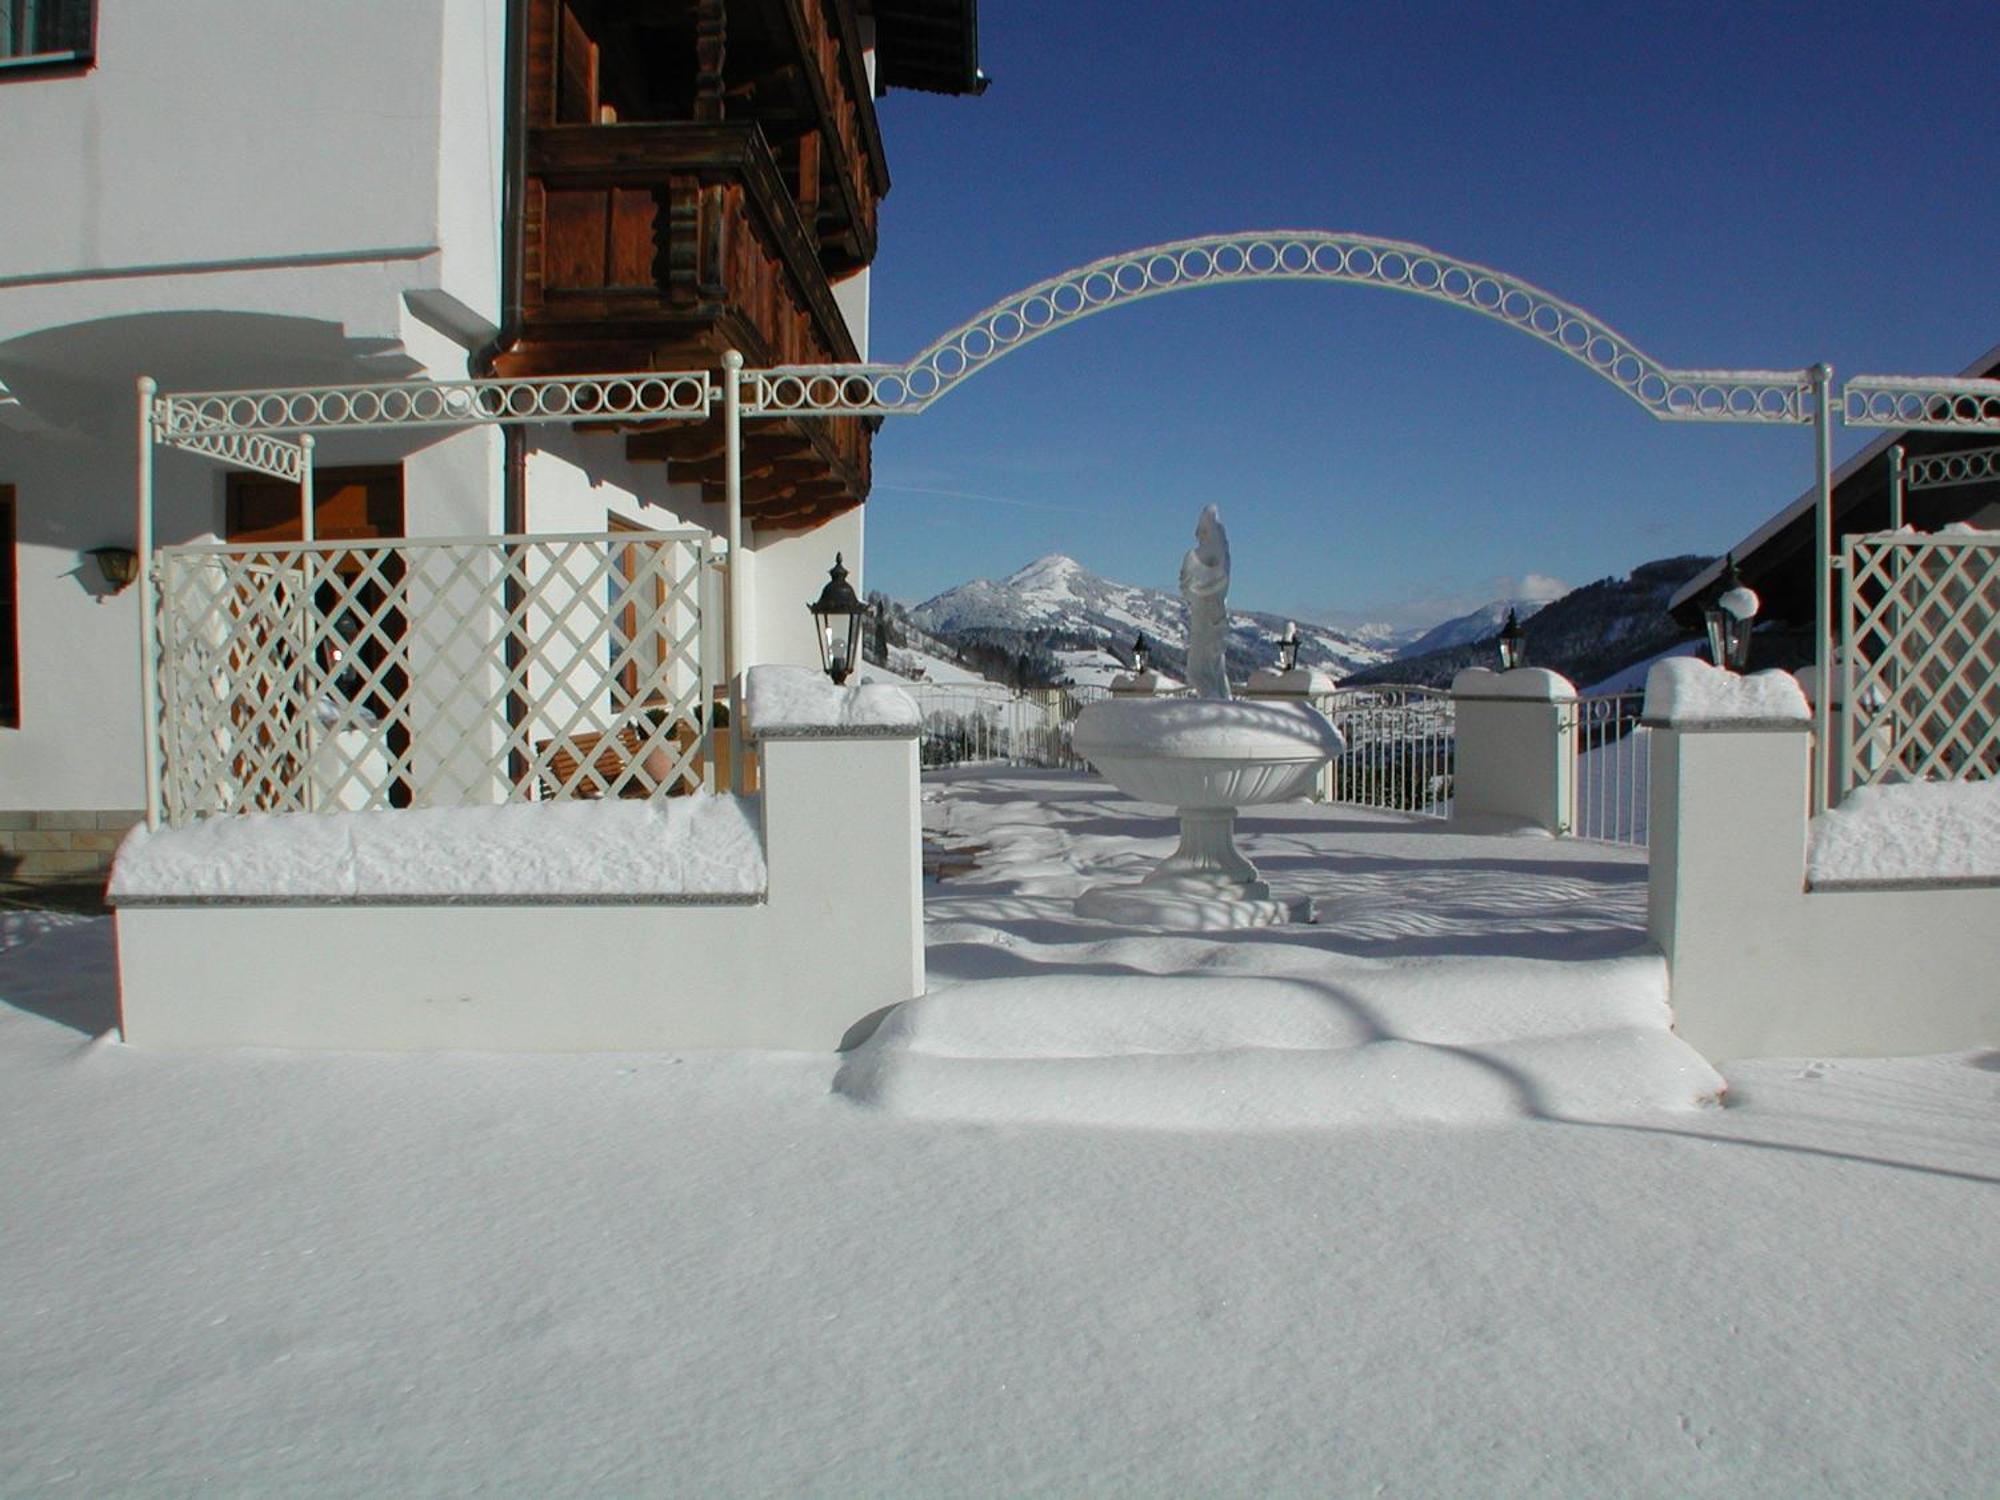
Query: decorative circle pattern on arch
x=1773, y=396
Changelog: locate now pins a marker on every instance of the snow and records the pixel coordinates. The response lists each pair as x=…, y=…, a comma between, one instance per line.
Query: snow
x=1925, y=830
x=253, y=1272
x=786, y=700
x=1632, y=679
x=1740, y=603
x=1537, y=683
x=1684, y=690
x=907, y=664
x=698, y=845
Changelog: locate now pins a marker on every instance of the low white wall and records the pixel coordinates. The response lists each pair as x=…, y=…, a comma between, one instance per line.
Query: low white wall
x=837, y=937
x=1515, y=749
x=1764, y=967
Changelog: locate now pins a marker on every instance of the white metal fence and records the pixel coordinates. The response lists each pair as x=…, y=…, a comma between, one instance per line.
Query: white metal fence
x=989, y=723
x=1921, y=636
x=1399, y=748
x=1610, y=784
x=1399, y=757
x=336, y=676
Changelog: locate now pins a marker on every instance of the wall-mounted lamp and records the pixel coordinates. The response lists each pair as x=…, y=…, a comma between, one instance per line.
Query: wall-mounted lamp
x=117, y=566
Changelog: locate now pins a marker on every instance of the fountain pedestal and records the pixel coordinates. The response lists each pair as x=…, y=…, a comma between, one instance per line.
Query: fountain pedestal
x=1206, y=758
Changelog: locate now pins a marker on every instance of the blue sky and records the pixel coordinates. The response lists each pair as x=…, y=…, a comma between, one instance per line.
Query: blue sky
x=1755, y=185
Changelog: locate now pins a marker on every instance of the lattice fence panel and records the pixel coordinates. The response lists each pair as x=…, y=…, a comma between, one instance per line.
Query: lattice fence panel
x=1922, y=637
x=345, y=677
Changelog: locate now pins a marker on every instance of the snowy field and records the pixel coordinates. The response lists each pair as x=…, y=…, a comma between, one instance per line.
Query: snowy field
x=1089, y=1220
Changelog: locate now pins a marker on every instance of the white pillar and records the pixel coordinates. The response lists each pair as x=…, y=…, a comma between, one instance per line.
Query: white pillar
x=1515, y=753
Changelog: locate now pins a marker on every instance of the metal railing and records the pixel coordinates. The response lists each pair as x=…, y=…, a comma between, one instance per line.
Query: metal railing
x=1920, y=634
x=992, y=724
x=1399, y=751
x=1609, y=785
x=345, y=676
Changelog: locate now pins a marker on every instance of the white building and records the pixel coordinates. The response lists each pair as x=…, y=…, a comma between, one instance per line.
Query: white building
x=231, y=194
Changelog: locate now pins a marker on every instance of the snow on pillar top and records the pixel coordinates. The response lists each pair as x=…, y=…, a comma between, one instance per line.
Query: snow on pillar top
x=1532, y=684
x=1685, y=692
x=800, y=703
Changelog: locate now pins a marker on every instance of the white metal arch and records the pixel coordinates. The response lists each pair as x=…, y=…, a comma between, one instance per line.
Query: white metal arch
x=1771, y=396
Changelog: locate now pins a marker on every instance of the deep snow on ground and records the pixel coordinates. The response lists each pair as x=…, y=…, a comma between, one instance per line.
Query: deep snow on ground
x=717, y=1275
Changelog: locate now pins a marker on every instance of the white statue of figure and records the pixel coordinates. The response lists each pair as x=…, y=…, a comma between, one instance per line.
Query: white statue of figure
x=1204, y=583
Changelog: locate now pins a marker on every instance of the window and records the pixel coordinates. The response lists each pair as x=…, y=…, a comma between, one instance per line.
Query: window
x=635, y=636
x=39, y=32
x=10, y=627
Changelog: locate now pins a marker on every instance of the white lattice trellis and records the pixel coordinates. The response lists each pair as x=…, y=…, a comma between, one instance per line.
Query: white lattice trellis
x=338, y=675
x=1921, y=636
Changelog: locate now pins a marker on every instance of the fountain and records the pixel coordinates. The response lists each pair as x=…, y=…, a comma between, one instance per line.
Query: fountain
x=1206, y=756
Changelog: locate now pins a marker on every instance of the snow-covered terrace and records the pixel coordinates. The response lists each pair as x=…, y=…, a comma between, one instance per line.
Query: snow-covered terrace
x=1423, y=1199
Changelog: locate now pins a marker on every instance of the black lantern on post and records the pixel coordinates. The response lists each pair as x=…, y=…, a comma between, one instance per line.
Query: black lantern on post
x=838, y=612
x=1513, y=644
x=1728, y=617
x=1288, y=647
x=1142, y=654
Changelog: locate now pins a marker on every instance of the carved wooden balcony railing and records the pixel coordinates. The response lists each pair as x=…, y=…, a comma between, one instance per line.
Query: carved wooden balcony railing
x=676, y=234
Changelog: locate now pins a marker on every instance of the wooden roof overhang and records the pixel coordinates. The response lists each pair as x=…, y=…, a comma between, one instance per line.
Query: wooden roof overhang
x=1776, y=559
x=932, y=45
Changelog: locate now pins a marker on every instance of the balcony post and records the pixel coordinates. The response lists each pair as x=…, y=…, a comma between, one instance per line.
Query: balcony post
x=149, y=680
x=734, y=602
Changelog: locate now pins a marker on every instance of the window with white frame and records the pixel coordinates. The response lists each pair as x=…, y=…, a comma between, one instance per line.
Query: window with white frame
x=39, y=32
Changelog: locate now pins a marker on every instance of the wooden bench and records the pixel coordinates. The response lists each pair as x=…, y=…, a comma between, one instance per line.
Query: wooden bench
x=589, y=764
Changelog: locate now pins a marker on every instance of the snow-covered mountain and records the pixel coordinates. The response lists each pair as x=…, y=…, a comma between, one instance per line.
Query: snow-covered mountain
x=1588, y=635
x=1477, y=625
x=1055, y=603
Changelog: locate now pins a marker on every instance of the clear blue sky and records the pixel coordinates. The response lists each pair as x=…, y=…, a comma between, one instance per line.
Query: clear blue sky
x=1746, y=185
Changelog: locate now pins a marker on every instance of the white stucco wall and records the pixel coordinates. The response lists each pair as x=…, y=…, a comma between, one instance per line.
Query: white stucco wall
x=788, y=569
x=234, y=133
x=1760, y=965
x=592, y=975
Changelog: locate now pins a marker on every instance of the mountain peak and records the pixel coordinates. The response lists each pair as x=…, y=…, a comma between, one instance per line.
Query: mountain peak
x=1050, y=568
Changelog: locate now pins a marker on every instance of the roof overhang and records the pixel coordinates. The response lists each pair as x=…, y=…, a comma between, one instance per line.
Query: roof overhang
x=932, y=45
x=1800, y=510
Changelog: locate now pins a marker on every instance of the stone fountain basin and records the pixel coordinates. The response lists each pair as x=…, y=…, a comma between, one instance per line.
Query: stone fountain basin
x=1206, y=752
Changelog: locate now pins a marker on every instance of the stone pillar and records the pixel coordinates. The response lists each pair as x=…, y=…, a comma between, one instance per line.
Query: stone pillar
x=1515, y=752
x=1300, y=685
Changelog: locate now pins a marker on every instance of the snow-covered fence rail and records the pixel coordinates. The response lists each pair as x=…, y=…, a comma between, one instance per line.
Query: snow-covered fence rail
x=1921, y=634
x=977, y=723
x=1609, y=787
x=1399, y=748
x=344, y=676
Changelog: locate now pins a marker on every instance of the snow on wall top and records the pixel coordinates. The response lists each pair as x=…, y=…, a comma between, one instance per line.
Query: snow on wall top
x=693, y=847
x=1686, y=690
x=1920, y=830
x=789, y=702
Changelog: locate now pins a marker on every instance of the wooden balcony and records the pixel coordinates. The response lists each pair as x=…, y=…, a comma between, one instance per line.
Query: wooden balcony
x=659, y=246
x=698, y=174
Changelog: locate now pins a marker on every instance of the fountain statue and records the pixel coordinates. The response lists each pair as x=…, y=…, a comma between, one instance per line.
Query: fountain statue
x=1206, y=756
x=1204, y=584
